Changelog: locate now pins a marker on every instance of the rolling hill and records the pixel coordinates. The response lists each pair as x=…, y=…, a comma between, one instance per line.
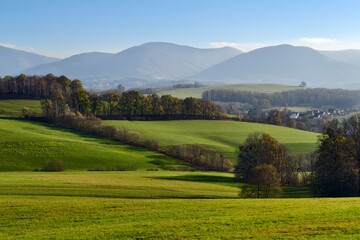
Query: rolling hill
x=13, y=62
x=26, y=146
x=224, y=136
x=285, y=64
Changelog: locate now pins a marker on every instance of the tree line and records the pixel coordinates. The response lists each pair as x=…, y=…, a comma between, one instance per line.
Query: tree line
x=316, y=97
x=60, y=95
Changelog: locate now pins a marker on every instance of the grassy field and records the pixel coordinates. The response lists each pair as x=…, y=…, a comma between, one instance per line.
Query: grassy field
x=27, y=145
x=124, y=184
x=12, y=108
x=222, y=135
x=161, y=205
x=81, y=204
x=197, y=92
x=106, y=218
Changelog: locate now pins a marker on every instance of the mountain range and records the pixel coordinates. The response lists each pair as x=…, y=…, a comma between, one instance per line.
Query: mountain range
x=289, y=65
x=144, y=63
x=158, y=63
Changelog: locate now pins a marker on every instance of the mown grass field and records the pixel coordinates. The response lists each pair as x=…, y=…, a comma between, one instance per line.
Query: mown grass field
x=161, y=205
x=25, y=146
x=222, y=135
x=197, y=92
x=46, y=217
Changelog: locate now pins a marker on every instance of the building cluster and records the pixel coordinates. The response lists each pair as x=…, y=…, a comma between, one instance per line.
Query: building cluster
x=319, y=114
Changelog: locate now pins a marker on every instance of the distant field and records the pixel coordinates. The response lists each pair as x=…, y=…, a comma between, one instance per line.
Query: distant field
x=161, y=205
x=222, y=135
x=27, y=145
x=197, y=92
x=12, y=108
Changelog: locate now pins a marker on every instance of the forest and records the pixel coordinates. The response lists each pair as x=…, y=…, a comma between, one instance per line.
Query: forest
x=310, y=97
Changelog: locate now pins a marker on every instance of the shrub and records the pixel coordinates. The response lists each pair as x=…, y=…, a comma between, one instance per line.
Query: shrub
x=53, y=166
x=25, y=111
x=204, y=158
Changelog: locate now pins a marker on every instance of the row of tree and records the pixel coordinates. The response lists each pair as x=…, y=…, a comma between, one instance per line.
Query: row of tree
x=32, y=87
x=61, y=95
x=315, y=97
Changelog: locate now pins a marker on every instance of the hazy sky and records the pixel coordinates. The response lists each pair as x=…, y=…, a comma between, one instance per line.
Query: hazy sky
x=61, y=28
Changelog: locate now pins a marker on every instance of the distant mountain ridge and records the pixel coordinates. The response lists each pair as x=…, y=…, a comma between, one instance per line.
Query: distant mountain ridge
x=351, y=56
x=156, y=64
x=285, y=64
x=150, y=61
x=13, y=61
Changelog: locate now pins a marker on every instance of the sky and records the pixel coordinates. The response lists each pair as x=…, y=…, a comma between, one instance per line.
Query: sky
x=61, y=28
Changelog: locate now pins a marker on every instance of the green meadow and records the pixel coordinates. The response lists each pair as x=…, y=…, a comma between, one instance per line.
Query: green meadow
x=224, y=136
x=197, y=92
x=25, y=146
x=151, y=202
x=161, y=205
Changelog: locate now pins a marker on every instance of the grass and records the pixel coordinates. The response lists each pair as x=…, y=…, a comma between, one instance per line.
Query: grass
x=12, y=108
x=197, y=92
x=125, y=184
x=161, y=205
x=224, y=136
x=99, y=218
x=26, y=146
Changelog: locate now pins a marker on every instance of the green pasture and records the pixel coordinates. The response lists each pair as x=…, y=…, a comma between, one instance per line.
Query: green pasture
x=12, y=108
x=108, y=218
x=224, y=136
x=25, y=146
x=197, y=92
x=121, y=184
x=161, y=205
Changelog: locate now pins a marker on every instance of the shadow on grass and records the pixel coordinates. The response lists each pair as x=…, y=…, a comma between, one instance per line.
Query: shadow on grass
x=87, y=136
x=296, y=192
x=168, y=163
x=221, y=180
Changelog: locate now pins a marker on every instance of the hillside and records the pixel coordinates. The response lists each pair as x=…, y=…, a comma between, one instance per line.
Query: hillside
x=27, y=145
x=284, y=64
x=77, y=66
x=13, y=62
x=197, y=92
x=350, y=56
x=224, y=136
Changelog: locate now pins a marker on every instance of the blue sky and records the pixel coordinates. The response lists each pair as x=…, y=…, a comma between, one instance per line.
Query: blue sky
x=61, y=28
